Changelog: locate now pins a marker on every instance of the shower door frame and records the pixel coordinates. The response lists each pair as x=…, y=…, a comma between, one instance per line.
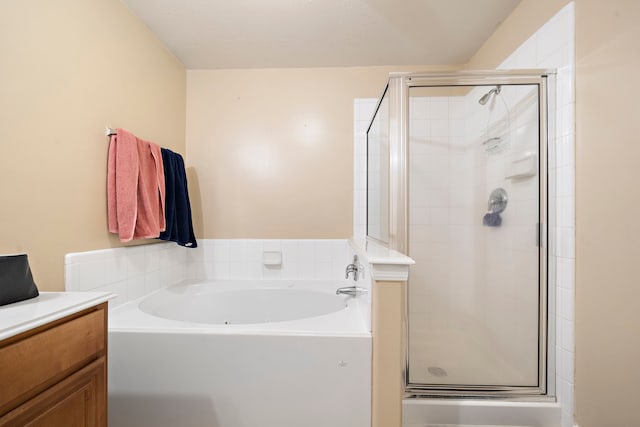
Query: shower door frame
x=399, y=85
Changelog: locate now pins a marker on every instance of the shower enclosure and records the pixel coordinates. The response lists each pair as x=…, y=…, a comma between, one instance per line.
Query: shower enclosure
x=457, y=179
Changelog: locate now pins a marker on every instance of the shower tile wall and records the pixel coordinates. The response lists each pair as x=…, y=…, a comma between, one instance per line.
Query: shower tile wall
x=441, y=213
x=553, y=46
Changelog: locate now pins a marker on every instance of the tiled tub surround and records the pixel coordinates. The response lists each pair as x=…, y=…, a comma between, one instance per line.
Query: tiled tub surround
x=129, y=272
x=135, y=271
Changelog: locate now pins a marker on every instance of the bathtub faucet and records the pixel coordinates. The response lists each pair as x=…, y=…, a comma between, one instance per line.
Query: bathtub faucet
x=350, y=290
x=354, y=268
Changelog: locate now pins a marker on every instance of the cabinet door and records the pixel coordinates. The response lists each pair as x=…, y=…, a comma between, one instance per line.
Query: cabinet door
x=77, y=401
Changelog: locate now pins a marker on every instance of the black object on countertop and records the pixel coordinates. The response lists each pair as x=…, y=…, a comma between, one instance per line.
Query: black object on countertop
x=16, y=280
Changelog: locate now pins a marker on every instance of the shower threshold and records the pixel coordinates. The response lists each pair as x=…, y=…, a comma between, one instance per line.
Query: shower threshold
x=479, y=412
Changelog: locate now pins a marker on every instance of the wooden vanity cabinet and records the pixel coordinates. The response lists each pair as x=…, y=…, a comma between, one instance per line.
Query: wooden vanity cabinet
x=56, y=374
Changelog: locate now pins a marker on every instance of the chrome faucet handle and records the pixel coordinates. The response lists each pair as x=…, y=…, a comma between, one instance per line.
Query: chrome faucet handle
x=351, y=268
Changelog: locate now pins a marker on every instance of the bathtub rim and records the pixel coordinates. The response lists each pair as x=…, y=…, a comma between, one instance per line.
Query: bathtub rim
x=349, y=322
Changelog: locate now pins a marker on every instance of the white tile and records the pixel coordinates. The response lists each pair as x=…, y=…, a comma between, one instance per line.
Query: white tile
x=135, y=287
x=323, y=251
x=151, y=260
x=253, y=252
x=567, y=307
x=567, y=404
x=72, y=277
x=237, y=252
x=565, y=151
x=164, y=258
x=565, y=85
x=306, y=252
x=271, y=272
x=565, y=208
x=136, y=264
x=307, y=270
x=566, y=419
x=220, y=251
x=290, y=270
x=418, y=108
x=118, y=288
x=340, y=252
x=457, y=110
x=439, y=128
x=196, y=270
x=290, y=250
x=217, y=269
x=366, y=109
x=568, y=342
x=177, y=274
x=566, y=273
x=567, y=366
x=567, y=119
x=551, y=36
x=361, y=127
x=271, y=245
x=565, y=242
x=152, y=281
x=236, y=270
x=565, y=181
x=73, y=258
x=253, y=270
x=324, y=271
x=91, y=275
x=115, y=267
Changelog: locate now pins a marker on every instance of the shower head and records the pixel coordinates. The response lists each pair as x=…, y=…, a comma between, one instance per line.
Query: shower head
x=486, y=96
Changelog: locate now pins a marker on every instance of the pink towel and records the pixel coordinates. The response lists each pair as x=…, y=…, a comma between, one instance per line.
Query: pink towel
x=135, y=187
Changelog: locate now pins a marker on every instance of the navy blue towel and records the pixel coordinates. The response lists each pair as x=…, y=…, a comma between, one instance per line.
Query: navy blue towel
x=177, y=207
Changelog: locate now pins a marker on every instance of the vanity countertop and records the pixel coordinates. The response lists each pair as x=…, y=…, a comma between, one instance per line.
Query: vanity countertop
x=48, y=306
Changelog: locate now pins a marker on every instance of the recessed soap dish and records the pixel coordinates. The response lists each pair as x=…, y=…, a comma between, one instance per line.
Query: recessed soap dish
x=272, y=258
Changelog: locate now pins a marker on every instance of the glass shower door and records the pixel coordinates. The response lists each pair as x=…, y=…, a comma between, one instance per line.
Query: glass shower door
x=475, y=301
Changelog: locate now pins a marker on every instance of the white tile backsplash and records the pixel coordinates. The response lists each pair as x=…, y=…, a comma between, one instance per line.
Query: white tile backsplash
x=130, y=272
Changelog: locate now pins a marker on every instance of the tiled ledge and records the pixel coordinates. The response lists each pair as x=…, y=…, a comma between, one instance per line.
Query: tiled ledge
x=385, y=264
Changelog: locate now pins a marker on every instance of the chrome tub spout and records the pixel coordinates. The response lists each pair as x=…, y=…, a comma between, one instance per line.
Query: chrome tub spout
x=350, y=290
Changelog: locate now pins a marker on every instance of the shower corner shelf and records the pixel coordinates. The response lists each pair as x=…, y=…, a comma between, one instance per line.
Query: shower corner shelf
x=525, y=166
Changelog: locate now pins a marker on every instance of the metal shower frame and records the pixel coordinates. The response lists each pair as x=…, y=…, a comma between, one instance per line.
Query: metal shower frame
x=398, y=93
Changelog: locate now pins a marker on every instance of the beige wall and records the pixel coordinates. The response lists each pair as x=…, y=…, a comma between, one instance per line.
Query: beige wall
x=387, y=328
x=69, y=68
x=607, y=213
x=270, y=151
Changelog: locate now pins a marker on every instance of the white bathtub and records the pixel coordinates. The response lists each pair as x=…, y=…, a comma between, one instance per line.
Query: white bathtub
x=240, y=354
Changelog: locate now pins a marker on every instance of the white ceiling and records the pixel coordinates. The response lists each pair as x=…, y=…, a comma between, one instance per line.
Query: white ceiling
x=321, y=33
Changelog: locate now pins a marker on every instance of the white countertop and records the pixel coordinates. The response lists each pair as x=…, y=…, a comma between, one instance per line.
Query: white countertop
x=48, y=306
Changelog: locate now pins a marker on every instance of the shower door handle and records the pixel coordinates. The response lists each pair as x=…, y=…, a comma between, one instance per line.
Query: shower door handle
x=541, y=232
